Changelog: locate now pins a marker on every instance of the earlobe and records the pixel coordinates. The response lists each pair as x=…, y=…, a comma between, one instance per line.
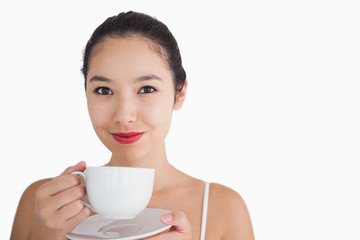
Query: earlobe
x=180, y=97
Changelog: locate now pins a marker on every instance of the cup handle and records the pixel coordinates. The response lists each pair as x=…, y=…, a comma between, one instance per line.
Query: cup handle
x=87, y=204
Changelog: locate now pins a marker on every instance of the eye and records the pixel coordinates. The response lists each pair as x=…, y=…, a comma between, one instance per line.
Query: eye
x=103, y=91
x=146, y=90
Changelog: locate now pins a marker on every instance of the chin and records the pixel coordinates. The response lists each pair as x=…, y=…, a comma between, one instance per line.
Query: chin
x=129, y=155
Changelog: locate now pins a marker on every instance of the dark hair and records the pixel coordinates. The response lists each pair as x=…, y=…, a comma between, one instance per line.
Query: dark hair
x=128, y=24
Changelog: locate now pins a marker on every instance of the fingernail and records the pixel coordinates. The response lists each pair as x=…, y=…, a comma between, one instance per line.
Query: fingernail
x=166, y=217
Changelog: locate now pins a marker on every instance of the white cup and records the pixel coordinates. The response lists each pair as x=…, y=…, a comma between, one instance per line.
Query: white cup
x=118, y=192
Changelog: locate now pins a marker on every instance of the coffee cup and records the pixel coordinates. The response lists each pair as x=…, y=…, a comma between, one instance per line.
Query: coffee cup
x=118, y=192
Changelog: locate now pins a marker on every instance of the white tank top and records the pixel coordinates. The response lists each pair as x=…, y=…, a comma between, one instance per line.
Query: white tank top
x=204, y=211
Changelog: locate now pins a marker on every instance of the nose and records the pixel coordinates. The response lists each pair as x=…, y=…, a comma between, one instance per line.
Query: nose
x=125, y=111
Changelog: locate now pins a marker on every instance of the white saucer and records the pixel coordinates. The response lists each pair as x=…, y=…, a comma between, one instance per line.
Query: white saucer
x=144, y=225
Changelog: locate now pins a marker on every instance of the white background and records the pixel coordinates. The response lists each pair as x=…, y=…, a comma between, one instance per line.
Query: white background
x=272, y=109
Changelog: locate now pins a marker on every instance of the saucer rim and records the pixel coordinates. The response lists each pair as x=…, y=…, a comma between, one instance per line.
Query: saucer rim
x=134, y=237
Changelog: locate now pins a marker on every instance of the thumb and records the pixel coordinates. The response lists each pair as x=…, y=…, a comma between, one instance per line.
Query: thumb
x=178, y=220
x=180, y=229
x=81, y=166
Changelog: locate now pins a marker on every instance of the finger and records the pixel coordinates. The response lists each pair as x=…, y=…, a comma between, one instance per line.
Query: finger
x=70, y=210
x=59, y=184
x=81, y=166
x=77, y=219
x=67, y=196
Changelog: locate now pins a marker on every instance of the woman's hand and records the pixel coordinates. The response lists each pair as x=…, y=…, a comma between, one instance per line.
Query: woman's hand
x=58, y=208
x=180, y=230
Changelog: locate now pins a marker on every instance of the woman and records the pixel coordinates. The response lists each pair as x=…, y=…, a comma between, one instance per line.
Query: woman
x=134, y=79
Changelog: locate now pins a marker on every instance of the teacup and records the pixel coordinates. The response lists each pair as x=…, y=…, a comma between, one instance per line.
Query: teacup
x=118, y=192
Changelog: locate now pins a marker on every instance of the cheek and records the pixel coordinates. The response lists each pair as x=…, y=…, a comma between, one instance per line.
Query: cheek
x=159, y=114
x=98, y=114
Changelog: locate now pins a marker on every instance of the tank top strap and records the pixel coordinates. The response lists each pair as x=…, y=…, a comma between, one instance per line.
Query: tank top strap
x=204, y=210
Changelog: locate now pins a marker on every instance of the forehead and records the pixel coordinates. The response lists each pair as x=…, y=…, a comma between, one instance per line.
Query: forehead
x=131, y=55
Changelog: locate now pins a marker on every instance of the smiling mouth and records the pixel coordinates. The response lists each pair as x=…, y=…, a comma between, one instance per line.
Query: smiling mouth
x=127, y=138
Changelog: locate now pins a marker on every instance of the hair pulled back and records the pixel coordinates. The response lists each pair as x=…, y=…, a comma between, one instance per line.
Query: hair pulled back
x=128, y=24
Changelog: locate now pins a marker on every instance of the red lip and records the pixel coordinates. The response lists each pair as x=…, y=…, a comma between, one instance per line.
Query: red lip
x=127, y=138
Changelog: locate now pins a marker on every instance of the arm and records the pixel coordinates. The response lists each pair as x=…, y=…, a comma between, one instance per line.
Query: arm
x=25, y=212
x=49, y=209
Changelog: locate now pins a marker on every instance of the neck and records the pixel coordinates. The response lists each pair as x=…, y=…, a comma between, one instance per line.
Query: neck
x=157, y=159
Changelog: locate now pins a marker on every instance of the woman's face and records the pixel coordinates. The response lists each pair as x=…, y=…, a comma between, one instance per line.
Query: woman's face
x=130, y=97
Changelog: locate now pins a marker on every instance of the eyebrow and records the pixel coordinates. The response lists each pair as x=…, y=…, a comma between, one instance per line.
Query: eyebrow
x=148, y=77
x=99, y=78
x=139, y=79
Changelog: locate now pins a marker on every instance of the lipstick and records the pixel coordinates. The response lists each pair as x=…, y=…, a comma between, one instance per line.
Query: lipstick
x=127, y=138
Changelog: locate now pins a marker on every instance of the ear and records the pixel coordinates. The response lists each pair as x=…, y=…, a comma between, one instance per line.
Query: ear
x=180, y=97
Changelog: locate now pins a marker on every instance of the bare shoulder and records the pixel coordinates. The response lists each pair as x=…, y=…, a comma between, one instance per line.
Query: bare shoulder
x=226, y=198
x=25, y=210
x=31, y=189
x=28, y=197
x=228, y=211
